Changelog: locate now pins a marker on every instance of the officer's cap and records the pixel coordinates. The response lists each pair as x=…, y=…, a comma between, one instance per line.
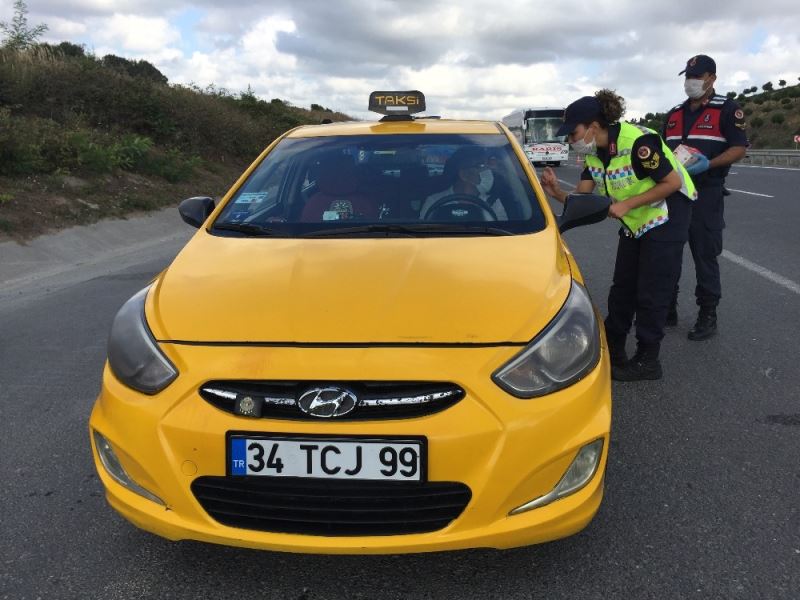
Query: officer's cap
x=697, y=65
x=583, y=110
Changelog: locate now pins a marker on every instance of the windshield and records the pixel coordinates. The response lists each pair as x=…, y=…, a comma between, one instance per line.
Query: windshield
x=543, y=129
x=385, y=185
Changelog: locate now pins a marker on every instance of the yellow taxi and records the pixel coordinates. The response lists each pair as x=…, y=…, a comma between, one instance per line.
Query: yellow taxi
x=377, y=342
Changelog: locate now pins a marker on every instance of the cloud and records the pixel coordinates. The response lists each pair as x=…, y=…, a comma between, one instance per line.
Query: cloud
x=137, y=34
x=474, y=58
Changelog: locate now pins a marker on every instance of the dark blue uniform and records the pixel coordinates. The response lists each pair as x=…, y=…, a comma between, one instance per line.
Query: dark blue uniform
x=647, y=268
x=715, y=126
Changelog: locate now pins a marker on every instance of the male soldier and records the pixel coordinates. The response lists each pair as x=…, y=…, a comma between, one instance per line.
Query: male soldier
x=715, y=126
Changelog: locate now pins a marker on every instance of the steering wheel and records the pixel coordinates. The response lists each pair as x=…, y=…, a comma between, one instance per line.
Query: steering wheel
x=461, y=199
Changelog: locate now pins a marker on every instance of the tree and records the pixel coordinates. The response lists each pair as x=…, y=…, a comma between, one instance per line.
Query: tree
x=134, y=68
x=782, y=82
x=767, y=87
x=18, y=35
x=731, y=95
x=64, y=49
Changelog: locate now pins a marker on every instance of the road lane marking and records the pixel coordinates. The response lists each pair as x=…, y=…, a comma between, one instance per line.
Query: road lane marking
x=763, y=271
x=567, y=183
x=751, y=193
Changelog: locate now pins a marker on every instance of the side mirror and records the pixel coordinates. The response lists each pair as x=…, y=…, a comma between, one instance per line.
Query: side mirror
x=583, y=209
x=195, y=211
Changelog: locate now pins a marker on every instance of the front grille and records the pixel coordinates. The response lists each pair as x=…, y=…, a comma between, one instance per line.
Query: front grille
x=331, y=507
x=376, y=399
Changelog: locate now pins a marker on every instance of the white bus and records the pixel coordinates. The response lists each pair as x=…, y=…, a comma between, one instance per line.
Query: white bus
x=535, y=129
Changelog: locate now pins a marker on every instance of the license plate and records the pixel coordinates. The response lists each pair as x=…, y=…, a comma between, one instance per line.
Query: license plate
x=327, y=458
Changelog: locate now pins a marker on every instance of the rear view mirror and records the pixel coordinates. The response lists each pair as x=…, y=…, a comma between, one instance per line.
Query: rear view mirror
x=583, y=209
x=195, y=211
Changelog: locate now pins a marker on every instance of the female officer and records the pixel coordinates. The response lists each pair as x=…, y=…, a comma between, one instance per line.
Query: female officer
x=651, y=194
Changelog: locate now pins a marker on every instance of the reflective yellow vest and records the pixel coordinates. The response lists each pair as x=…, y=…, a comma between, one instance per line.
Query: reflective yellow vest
x=619, y=181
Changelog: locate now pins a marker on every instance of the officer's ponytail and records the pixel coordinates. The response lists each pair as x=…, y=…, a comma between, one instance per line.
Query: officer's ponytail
x=612, y=105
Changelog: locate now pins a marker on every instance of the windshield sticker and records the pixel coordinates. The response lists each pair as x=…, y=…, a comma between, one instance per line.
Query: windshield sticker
x=330, y=215
x=251, y=198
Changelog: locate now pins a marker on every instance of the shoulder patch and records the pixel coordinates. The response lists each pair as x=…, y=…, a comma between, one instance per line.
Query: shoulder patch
x=653, y=163
x=739, y=114
x=643, y=152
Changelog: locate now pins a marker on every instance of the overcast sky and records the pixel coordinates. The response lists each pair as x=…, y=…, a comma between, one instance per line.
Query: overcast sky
x=471, y=58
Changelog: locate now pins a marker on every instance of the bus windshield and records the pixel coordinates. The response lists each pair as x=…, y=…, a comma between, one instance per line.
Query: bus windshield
x=543, y=129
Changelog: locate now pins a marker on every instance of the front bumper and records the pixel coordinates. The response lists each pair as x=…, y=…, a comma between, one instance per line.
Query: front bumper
x=508, y=451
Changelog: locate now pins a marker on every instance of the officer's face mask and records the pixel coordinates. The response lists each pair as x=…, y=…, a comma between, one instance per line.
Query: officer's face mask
x=581, y=146
x=695, y=88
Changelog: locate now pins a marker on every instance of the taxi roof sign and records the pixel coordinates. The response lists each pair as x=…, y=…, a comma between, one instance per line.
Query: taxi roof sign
x=397, y=103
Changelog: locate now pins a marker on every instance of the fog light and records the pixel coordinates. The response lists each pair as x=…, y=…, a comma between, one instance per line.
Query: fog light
x=114, y=468
x=579, y=473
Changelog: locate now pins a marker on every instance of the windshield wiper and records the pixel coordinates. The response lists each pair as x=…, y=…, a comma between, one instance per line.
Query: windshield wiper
x=250, y=229
x=410, y=230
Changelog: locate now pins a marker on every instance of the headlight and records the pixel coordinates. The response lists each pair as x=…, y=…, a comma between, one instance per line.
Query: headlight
x=133, y=354
x=567, y=349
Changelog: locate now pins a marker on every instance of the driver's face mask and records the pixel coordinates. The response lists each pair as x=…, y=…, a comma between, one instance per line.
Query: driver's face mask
x=487, y=181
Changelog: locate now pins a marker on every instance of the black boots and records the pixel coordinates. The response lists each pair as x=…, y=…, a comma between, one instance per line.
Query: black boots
x=616, y=351
x=706, y=325
x=643, y=366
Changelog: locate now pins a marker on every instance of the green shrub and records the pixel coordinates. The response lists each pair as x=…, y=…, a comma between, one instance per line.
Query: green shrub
x=759, y=100
x=777, y=118
x=22, y=142
x=757, y=122
x=748, y=111
x=171, y=164
x=130, y=151
x=786, y=101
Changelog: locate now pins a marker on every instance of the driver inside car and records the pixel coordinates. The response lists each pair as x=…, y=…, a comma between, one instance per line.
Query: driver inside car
x=470, y=181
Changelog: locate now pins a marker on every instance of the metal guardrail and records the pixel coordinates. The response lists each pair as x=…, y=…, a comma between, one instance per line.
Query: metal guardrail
x=778, y=158
x=790, y=158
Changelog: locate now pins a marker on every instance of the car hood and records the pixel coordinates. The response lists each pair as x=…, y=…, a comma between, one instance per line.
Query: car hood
x=450, y=290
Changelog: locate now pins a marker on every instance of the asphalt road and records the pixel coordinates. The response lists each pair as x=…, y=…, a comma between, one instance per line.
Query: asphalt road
x=702, y=489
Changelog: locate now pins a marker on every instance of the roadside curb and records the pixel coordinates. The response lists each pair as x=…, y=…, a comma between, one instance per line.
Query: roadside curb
x=57, y=253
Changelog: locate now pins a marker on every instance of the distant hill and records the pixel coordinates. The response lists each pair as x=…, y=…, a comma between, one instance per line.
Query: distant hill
x=773, y=116
x=82, y=137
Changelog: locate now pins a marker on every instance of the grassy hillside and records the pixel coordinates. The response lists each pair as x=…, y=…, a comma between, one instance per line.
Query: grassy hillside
x=83, y=137
x=773, y=116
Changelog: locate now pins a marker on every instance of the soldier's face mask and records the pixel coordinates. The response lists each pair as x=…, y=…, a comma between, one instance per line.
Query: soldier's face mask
x=696, y=88
x=581, y=146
